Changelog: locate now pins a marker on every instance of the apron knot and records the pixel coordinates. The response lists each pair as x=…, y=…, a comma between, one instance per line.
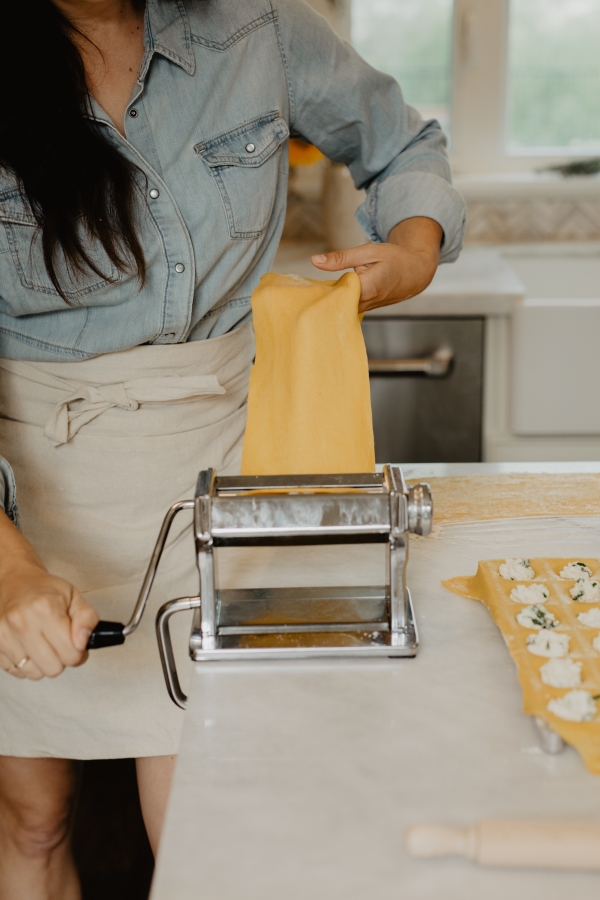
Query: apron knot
x=88, y=401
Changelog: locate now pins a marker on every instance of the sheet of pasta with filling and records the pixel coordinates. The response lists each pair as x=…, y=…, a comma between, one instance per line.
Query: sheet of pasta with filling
x=548, y=611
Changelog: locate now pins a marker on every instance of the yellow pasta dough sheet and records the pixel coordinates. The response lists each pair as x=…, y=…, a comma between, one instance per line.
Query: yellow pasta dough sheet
x=477, y=498
x=309, y=402
x=494, y=591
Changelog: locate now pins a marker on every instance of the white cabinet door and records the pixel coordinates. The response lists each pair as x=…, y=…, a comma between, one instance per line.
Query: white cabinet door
x=556, y=367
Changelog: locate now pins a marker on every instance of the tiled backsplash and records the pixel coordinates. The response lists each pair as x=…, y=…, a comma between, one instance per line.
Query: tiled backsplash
x=322, y=200
x=533, y=220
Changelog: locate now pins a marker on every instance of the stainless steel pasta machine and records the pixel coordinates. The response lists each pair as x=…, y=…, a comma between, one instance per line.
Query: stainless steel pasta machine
x=291, y=623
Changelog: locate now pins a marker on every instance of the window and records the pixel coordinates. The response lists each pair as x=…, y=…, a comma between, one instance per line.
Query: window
x=515, y=82
x=554, y=74
x=412, y=41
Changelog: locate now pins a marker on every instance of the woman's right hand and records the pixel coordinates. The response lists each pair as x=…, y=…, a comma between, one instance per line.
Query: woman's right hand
x=43, y=619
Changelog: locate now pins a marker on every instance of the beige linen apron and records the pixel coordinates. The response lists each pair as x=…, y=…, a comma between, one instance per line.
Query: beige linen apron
x=101, y=448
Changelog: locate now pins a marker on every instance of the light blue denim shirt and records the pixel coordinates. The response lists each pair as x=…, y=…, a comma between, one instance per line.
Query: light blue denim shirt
x=223, y=84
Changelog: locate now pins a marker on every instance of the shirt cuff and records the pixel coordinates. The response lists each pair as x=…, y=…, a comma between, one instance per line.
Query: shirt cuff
x=411, y=194
x=8, y=492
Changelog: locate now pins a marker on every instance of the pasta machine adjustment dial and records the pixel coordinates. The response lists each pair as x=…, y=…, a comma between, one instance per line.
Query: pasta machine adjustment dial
x=420, y=509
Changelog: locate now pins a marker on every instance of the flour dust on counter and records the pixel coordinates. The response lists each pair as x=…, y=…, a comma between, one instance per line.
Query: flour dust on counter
x=334, y=762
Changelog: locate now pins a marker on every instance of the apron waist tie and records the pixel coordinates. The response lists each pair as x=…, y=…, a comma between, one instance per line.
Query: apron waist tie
x=86, y=402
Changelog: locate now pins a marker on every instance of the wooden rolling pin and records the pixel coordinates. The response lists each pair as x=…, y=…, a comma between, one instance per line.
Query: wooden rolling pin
x=503, y=842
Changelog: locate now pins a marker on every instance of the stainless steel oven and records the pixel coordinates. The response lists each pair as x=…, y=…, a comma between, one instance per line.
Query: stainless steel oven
x=426, y=388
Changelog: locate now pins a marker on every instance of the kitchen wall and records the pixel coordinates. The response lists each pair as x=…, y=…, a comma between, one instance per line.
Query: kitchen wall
x=530, y=208
x=309, y=200
x=510, y=221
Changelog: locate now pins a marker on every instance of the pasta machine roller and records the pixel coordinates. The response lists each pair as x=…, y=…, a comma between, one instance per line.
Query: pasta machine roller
x=299, y=622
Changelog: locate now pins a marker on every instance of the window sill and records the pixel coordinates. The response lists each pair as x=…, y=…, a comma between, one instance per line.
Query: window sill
x=510, y=186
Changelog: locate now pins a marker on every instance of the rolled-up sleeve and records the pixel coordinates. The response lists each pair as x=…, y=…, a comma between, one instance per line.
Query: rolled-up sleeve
x=8, y=492
x=357, y=116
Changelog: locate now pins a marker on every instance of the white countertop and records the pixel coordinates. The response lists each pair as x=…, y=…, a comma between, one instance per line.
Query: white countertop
x=440, y=470
x=480, y=283
x=298, y=780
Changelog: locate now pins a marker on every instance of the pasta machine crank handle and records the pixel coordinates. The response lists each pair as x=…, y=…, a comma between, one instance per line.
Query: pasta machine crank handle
x=109, y=634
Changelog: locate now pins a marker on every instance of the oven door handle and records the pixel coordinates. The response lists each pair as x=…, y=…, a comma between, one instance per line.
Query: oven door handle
x=436, y=365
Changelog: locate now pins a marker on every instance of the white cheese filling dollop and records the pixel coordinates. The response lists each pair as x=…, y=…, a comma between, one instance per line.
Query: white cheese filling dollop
x=576, y=706
x=585, y=591
x=591, y=618
x=517, y=570
x=561, y=673
x=536, y=616
x=548, y=643
x=575, y=570
x=529, y=593
x=596, y=643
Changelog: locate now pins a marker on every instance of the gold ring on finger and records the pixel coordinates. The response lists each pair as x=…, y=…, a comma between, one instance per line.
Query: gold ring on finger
x=23, y=662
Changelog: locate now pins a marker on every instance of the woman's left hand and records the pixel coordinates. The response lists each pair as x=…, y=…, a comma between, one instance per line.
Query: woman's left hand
x=394, y=271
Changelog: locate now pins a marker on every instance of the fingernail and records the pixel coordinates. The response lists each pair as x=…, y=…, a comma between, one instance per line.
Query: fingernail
x=83, y=637
x=319, y=259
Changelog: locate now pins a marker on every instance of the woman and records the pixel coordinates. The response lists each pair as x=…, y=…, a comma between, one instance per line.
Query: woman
x=142, y=195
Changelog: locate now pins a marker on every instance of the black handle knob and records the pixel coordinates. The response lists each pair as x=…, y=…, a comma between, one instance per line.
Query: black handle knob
x=106, y=634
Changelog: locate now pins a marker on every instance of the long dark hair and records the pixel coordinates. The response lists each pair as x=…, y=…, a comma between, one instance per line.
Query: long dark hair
x=66, y=169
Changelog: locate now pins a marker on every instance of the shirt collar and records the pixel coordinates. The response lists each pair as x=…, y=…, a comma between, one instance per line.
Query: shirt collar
x=167, y=31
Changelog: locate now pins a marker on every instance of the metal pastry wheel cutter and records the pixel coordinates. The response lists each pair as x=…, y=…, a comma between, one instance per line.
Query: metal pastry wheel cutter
x=299, y=622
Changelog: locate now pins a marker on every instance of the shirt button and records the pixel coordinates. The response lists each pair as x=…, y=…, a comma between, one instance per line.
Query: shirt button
x=180, y=267
x=154, y=193
x=133, y=113
x=250, y=148
x=171, y=334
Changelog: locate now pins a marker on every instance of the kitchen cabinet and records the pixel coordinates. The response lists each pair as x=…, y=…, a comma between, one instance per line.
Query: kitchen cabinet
x=541, y=372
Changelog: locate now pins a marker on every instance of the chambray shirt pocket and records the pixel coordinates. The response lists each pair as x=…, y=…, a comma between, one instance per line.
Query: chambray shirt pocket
x=244, y=164
x=23, y=276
